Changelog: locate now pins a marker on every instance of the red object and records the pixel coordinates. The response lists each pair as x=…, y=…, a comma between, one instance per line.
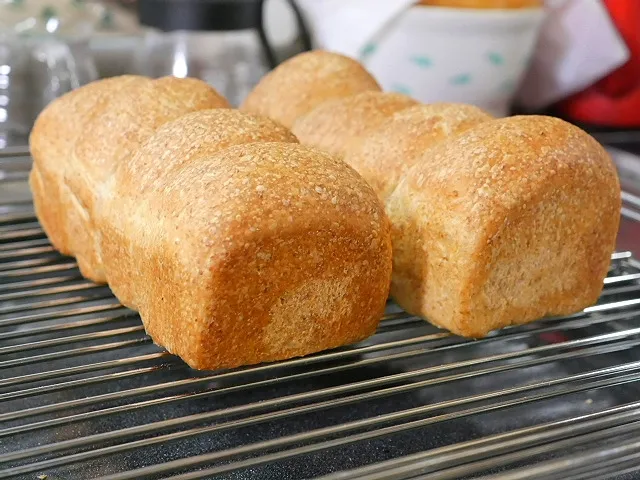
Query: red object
x=615, y=100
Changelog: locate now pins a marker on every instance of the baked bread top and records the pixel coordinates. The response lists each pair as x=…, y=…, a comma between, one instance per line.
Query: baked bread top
x=124, y=119
x=51, y=142
x=175, y=145
x=303, y=82
x=80, y=139
x=189, y=137
x=385, y=154
x=336, y=124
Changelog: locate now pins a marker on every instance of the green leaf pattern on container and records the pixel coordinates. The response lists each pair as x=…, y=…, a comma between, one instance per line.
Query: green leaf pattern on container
x=460, y=79
x=422, y=61
x=495, y=58
x=507, y=86
x=400, y=88
x=368, y=50
x=107, y=20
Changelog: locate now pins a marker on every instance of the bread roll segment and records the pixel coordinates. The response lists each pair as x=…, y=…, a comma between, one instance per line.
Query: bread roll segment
x=110, y=135
x=303, y=82
x=80, y=138
x=336, y=124
x=175, y=144
x=51, y=142
x=384, y=155
x=511, y=221
x=266, y=251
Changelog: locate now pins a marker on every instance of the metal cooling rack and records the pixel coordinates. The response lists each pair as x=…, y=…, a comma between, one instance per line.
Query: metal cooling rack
x=85, y=394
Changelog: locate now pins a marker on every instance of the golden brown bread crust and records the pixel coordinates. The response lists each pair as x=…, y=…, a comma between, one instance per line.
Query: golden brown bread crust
x=512, y=220
x=112, y=118
x=51, y=142
x=305, y=81
x=384, y=155
x=260, y=252
x=175, y=144
x=336, y=124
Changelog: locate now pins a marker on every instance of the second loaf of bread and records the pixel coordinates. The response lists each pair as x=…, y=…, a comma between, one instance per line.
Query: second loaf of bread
x=336, y=124
x=305, y=81
x=511, y=221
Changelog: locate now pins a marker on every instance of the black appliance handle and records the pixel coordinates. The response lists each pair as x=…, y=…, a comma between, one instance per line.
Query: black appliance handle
x=302, y=31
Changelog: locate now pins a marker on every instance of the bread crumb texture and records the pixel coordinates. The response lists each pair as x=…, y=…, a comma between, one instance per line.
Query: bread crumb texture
x=511, y=221
x=303, y=82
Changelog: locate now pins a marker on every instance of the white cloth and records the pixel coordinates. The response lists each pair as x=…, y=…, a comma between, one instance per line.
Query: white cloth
x=578, y=45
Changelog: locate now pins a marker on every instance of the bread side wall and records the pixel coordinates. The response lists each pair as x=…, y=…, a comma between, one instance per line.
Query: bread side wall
x=270, y=299
x=432, y=251
x=549, y=257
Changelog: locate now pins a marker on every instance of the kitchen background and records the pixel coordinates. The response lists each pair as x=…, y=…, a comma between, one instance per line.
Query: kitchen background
x=578, y=59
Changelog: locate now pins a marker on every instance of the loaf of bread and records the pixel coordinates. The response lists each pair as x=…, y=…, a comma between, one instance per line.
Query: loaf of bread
x=384, y=155
x=176, y=143
x=336, y=124
x=512, y=220
x=258, y=252
x=110, y=118
x=305, y=81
